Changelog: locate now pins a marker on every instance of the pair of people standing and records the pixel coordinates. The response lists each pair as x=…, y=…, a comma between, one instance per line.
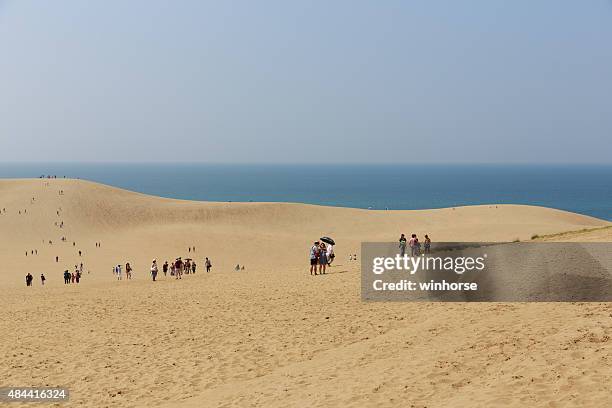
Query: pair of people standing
x=321, y=256
x=118, y=271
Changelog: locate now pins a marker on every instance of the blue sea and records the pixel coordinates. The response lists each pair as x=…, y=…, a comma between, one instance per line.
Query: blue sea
x=582, y=189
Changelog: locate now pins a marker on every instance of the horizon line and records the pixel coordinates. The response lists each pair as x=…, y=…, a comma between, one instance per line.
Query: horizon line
x=124, y=162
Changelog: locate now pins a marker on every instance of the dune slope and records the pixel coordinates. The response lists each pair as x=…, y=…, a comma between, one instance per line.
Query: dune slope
x=272, y=335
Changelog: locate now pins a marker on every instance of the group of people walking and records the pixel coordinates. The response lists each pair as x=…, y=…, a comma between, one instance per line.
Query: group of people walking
x=74, y=277
x=177, y=268
x=321, y=256
x=414, y=244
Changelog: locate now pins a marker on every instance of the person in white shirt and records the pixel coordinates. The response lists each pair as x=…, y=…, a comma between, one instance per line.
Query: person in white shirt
x=314, y=256
x=154, y=270
x=330, y=254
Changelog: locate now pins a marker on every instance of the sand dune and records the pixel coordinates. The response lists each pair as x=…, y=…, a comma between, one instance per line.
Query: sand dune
x=272, y=335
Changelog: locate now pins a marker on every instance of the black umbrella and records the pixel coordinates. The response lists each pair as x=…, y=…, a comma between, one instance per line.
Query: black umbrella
x=328, y=240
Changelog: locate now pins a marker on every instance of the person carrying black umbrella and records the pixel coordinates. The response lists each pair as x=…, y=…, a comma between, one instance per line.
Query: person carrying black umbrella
x=330, y=249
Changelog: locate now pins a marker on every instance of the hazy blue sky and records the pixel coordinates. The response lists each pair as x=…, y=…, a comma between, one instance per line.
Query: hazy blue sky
x=306, y=81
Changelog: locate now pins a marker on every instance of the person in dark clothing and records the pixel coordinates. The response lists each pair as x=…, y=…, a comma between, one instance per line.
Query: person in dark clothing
x=178, y=265
x=402, y=245
x=208, y=264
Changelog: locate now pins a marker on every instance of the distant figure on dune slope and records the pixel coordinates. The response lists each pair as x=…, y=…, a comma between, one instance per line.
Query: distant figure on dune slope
x=322, y=261
x=178, y=268
x=128, y=271
x=154, y=270
x=314, y=257
x=402, y=245
x=208, y=264
x=330, y=254
x=415, y=246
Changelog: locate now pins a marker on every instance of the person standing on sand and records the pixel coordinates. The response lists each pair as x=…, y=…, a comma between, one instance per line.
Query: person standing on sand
x=73, y=277
x=208, y=265
x=119, y=272
x=314, y=256
x=193, y=267
x=173, y=269
x=330, y=254
x=178, y=266
x=322, y=258
x=28, y=279
x=128, y=271
x=154, y=270
x=66, y=277
x=402, y=245
x=42, y=279
x=165, y=268
x=412, y=245
x=427, y=244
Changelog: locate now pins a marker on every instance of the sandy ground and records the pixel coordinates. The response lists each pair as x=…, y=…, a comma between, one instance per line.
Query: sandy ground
x=272, y=335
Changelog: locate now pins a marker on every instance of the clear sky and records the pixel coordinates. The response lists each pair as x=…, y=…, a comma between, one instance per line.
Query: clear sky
x=434, y=81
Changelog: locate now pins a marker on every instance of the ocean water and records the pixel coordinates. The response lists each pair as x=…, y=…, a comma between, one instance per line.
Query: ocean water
x=582, y=189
